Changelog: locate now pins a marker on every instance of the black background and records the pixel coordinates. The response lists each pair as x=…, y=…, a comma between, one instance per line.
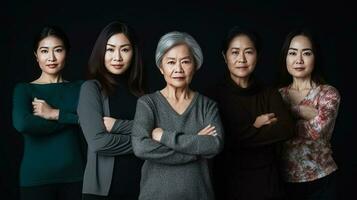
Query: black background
x=207, y=21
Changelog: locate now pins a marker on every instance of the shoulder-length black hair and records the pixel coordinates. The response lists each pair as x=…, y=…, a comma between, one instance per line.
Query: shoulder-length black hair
x=54, y=31
x=316, y=74
x=97, y=69
x=236, y=31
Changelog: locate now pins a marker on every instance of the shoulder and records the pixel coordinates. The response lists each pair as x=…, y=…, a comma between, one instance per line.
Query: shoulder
x=91, y=84
x=283, y=90
x=73, y=84
x=330, y=92
x=270, y=91
x=204, y=99
x=149, y=100
x=76, y=83
x=22, y=87
x=206, y=103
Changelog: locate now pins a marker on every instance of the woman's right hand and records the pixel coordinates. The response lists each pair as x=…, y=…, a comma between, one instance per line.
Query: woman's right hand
x=264, y=119
x=208, y=130
x=109, y=123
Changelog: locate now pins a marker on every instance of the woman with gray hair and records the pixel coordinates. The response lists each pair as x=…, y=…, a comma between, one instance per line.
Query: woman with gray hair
x=176, y=129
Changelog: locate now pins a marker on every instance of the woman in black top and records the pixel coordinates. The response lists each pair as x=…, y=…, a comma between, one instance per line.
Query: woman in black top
x=255, y=120
x=106, y=110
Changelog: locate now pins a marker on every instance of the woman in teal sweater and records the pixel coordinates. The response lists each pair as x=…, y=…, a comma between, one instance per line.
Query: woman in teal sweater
x=44, y=111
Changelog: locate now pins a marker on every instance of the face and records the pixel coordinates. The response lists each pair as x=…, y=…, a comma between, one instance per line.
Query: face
x=300, y=58
x=241, y=57
x=118, y=54
x=51, y=55
x=178, y=66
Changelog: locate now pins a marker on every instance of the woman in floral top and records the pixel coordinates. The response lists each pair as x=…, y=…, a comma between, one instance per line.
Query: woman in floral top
x=308, y=165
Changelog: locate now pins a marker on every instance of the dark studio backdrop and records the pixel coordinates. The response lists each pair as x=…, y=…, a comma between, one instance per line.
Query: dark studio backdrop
x=207, y=21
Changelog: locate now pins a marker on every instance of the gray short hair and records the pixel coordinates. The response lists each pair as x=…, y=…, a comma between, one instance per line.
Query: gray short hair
x=175, y=38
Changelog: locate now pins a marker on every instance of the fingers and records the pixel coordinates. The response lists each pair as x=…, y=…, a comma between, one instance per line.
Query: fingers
x=269, y=115
x=208, y=130
x=38, y=100
x=272, y=120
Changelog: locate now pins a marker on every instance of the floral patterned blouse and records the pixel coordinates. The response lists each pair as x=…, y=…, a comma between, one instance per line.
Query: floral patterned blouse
x=308, y=155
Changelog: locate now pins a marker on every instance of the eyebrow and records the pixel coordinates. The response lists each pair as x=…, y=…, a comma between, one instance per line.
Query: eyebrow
x=112, y=45
x=46, y=47
x=306, y=49
x=236, y=48
x=172, y=58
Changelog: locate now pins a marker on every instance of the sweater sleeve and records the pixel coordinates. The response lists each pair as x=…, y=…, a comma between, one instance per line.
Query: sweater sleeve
x=23, y=119
x=324, y=121
x=206, y=146
x=282, y=130
x=90, y=113
x=122, y=126
x=145, y=147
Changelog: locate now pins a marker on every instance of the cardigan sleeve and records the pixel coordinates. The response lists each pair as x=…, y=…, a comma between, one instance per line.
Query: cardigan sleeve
x=122, y=126
x=90, y=112
x=147, y=148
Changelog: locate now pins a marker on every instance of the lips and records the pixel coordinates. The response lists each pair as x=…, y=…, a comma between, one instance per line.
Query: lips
x=242, y=67
x=118, y=66
x=178, y=78
x=51, y=65
x=299, y=68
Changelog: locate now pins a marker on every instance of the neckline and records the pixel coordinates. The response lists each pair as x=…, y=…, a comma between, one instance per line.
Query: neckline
x=166, y=102
x=59, y=83
x=305, y=97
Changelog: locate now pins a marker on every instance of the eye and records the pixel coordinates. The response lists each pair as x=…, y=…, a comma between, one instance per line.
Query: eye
x=109, y=50
x=186, y=62
x=58, y=50
x=308, y=53
x=249, y=52
x=125, y=50
x=291, y=53
x=235, y=52
x=44, y=51
x=171, y=62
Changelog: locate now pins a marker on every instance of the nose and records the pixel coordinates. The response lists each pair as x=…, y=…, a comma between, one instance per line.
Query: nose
x=52, y=56
x=117, y=56
x=178, y=68
x=299, y=59
x=241, y=58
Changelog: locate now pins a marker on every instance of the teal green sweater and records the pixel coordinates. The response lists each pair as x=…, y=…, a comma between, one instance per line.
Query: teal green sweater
x=52, y=148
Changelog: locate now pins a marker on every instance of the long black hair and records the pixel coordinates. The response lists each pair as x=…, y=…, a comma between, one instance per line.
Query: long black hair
x=96, y=66
x=316, y=74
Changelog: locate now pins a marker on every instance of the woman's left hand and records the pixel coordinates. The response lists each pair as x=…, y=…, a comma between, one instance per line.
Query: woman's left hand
x=307, y=112
x=42, y=109
x=157, y=134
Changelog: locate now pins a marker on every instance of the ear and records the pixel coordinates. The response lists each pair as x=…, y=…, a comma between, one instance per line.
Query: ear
x=34, y=53
x=224, y=57
x=161, y=70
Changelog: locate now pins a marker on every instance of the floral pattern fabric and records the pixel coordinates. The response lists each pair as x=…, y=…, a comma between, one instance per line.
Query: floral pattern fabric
x=308, y=155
